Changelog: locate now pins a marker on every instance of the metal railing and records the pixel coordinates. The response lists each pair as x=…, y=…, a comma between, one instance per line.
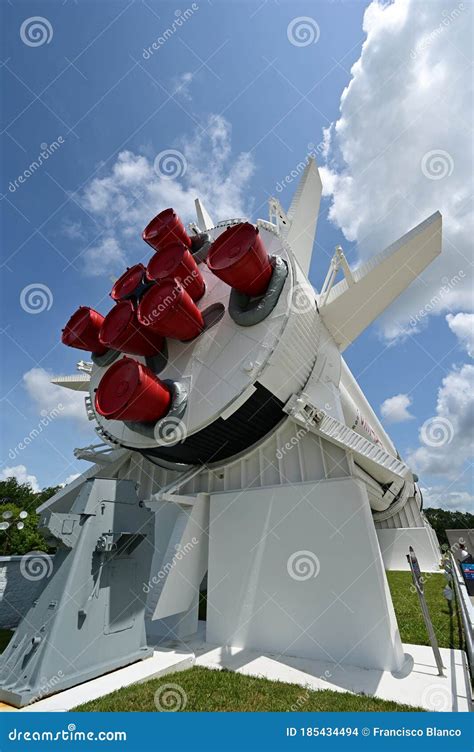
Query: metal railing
x=466, y=609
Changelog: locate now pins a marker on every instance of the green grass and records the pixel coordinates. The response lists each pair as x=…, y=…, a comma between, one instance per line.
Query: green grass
x=407, y=608
x=208, y=690
x=5, y=636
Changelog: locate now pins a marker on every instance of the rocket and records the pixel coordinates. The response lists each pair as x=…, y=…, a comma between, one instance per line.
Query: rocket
x=218, y=387
x=219, y=338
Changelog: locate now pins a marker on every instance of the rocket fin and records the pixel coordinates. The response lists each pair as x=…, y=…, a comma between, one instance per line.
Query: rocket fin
x=203, y=219
x=350, y=308
x=78, y=382
x=303, y=214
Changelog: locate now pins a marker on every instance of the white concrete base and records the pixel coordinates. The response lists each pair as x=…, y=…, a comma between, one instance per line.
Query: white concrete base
x=417, y=685
x=164, y=661
x=395, y=542
x=300, y=572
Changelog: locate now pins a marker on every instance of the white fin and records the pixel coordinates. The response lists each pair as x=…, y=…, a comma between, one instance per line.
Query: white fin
x=303, y=214
x=350, y=308
x=79, y=382
x=203, y=219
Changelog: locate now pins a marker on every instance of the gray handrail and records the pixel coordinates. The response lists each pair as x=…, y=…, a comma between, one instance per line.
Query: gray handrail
x=465, y=608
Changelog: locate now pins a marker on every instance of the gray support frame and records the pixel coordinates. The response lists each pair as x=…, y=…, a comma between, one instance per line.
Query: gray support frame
x=89, y=619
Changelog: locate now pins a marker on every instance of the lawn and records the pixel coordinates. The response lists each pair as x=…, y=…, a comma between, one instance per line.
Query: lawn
x=407, y=608
x=206, y=690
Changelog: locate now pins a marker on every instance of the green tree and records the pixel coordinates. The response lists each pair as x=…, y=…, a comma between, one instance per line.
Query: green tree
x=16, y=497
x=443, y=519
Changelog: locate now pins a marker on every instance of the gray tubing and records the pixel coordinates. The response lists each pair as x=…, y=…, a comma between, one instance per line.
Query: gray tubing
x=172, y=418
x=247, y=311
x=106, y=359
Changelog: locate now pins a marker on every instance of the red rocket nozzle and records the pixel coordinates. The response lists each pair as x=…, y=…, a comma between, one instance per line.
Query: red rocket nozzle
x=128, y=282
x=239, y=258
x=169, y=310
x=176, y=261
x=131, y=391
x=82, y=331
x=164, y=229
x=122, y=331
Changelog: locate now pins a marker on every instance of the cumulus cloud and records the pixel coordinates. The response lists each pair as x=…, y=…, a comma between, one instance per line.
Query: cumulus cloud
x=395, y=409
x=70, y=479
x=21, y=474
x=136, y=187
x=52, y=399
x=103, y=258
x=443, y=498
x=401, y=148
x=462, y=325
x=447, y=438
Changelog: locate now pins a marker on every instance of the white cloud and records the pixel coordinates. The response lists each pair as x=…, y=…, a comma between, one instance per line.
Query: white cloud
x=70, y=479
x=104, y=258
x=443, y=498
x=182, y=85
x=447, y=439
x=462, y=325
x=395, y=409
x=49, y=397
x=409, y=98
x=20, y=473
x=132, y=192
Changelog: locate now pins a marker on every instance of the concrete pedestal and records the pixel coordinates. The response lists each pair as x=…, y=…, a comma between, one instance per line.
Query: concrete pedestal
x=297, y=571
x=395, y=543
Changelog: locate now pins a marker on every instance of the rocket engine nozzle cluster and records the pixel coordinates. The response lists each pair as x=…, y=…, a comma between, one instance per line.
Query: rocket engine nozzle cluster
x=160, y=301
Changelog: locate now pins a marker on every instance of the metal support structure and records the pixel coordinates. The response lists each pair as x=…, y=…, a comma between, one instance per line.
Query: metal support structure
x=338, y=261
x=89, y=619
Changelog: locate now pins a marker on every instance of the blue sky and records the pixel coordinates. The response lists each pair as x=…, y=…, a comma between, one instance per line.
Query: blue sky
x=228, y=85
